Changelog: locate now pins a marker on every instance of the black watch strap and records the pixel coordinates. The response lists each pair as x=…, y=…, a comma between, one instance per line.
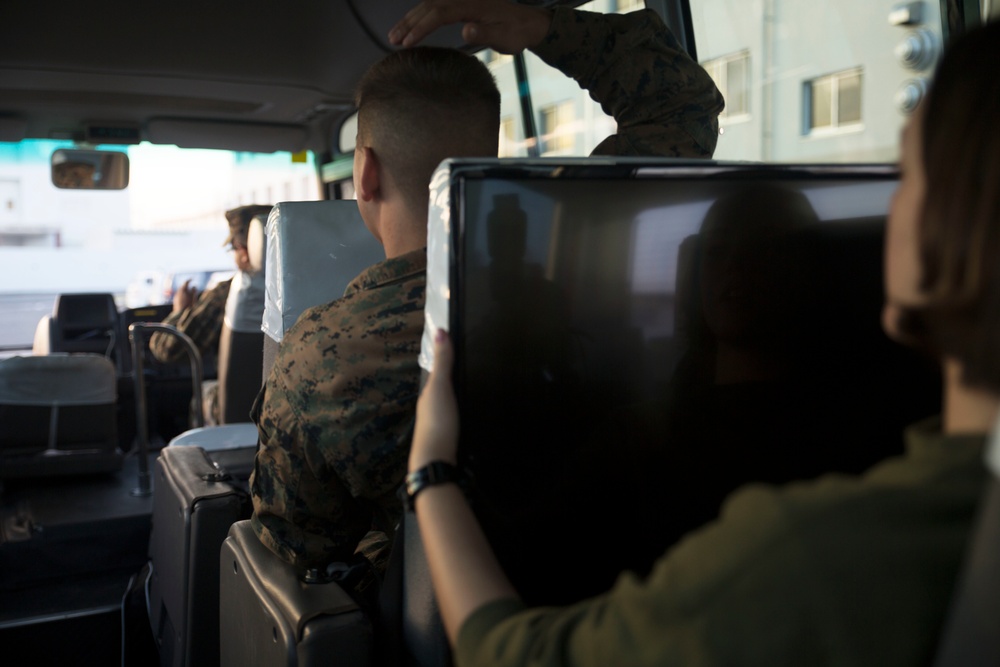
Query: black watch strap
x=435, y=472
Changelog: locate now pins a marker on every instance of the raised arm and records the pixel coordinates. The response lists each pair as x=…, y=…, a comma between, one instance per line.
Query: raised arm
x=501, y=25
x=665, y=104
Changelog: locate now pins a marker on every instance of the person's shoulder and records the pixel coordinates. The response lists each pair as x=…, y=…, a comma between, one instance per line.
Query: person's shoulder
x=315, y=327
x=218, y=292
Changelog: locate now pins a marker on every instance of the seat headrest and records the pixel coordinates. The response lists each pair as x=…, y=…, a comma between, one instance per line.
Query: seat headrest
x=85, y=311
x=257, y=243
x=306, y=240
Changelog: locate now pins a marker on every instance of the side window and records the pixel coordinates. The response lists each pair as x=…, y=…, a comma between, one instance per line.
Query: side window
x=566, y=120
x=816, y=81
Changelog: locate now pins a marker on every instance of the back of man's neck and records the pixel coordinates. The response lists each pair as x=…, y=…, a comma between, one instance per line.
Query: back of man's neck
x=403, y=233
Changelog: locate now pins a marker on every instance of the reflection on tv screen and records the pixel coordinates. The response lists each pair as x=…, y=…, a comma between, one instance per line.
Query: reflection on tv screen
x=632, y=350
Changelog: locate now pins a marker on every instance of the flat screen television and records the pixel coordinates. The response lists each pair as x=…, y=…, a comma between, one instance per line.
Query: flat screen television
x=637, y=338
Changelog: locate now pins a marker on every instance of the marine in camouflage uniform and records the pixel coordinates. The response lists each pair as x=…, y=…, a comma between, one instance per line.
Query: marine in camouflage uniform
x=335, y=416
x=202, y=322
x=336, y=412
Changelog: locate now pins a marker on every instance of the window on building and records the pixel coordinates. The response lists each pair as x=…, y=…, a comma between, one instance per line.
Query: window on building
x=833, y=101
x=558, y=128
x=732, y=77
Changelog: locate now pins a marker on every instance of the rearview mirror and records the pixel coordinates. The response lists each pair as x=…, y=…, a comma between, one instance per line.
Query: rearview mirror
x=89, y=169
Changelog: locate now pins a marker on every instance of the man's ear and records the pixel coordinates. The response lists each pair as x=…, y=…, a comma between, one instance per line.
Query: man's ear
x=369, y=174
x=242, y=258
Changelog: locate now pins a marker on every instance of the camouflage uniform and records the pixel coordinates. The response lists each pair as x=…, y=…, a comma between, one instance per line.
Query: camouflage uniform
x=202, y=322
x=335, y=416
x=665, y=104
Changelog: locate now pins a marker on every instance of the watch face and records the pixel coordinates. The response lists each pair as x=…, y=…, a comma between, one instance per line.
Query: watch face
x=436, y=472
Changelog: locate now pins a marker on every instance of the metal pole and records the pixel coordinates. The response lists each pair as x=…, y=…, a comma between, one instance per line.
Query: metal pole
x=137, y=339
x=527, y=112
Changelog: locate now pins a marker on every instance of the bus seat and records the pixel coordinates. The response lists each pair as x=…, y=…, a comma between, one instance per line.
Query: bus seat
x=195, y=501
x=241, y=343
x=970, y=637
x=80, y=323
x=58, y=416
x=306, y=240
x=269, y=617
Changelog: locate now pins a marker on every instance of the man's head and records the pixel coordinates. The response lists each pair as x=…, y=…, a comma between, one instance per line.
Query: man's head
x=417, y=107
x=73, y=175
x=239, y=227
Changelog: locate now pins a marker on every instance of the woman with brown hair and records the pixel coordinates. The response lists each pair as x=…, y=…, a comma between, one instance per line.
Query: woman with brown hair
x=843, y=570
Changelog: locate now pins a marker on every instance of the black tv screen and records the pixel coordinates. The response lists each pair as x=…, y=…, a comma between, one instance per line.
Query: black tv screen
x=636, y=339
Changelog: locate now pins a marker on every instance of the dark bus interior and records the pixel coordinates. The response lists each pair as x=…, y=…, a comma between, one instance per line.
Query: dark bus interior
x=635, y=340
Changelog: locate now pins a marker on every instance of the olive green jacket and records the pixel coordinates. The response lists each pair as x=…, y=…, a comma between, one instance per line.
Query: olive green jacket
x=838, y=571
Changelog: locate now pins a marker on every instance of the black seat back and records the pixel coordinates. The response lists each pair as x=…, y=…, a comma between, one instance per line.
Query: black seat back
x=241, y=355
x=57, y=416
x=80, y=323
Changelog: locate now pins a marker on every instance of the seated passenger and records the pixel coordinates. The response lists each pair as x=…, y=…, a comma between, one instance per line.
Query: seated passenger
x=336, y=412
x=200, y=316
x=845, y=570
x=335, y=415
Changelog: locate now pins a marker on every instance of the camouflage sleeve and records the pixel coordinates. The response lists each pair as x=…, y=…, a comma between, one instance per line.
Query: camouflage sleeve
x=202, y=322
x=665, y=104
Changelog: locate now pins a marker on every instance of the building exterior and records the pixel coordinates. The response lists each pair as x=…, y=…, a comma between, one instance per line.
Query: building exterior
x=804, y=80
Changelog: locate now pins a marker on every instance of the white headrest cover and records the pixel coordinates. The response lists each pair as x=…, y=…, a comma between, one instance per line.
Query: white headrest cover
x=256, y=245
x=314, y=250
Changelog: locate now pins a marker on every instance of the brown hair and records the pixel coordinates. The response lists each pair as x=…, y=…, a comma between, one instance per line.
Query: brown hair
x=960, y=225
x=419, y=106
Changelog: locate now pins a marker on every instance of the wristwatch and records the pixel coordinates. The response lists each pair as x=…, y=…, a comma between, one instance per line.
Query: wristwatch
x=432, y=474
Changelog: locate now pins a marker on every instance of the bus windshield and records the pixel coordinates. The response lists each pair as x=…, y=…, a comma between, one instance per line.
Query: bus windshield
x=139, y=243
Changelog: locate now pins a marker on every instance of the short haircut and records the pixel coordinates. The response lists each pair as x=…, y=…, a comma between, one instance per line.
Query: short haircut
x=960, y=225
x=418, y=106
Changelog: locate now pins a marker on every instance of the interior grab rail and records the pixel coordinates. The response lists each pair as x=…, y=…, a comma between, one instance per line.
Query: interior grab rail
x=137, y=339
